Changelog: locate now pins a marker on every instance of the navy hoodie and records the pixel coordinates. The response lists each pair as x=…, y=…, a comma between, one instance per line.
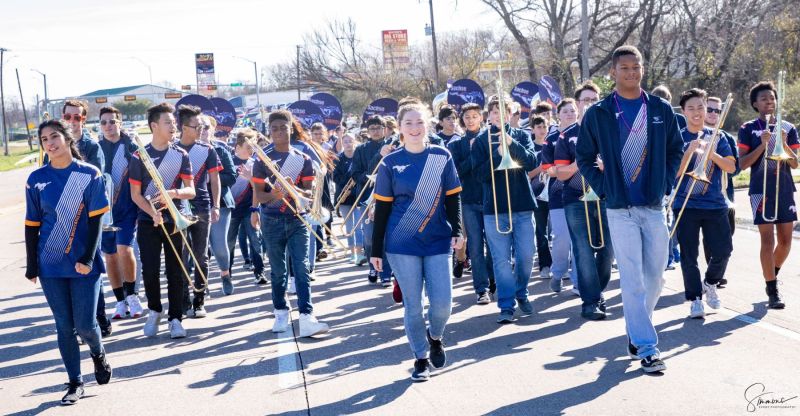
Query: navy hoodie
x=599, y=134
x=472, y=189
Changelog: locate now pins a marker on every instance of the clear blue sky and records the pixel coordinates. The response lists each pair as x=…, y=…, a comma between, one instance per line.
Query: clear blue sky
x=85, y=45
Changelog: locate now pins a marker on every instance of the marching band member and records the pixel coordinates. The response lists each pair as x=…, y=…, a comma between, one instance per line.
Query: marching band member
x=67, y=194
x=205, y=204
x=218, y=234
x=341, y=176
x=417, y=213
x=447, y=119
x=583, y=219
x=541, y=212
x=561, y=252
x=472, y=202
x=638, y=139
x=756, y=137
x=117, y=148
x=242, y=191
x=175, y=170
x=706, y=208
x=286, y=234
x=318, y=135
x=512, y=282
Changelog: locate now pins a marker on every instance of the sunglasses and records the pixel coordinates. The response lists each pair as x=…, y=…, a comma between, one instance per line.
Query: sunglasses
x=713, y=110
x=77, y=117
x=112, y=122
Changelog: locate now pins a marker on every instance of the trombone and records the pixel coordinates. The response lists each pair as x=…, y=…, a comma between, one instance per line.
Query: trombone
x=590, y=196
x=778, y=153
x=506, y=163
x=699, y=172
x=300, y=200
x=181, y=221
x=370, y=182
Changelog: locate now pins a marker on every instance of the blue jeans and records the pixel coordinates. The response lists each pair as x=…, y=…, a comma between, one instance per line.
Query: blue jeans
x=562, y=247
x=593, y=266
x=312, y=248
x=74, y=303
x=476, y=242
x=434, y=272
x=242, y=225
x=642, y=236
x=287, y=234
x=511, y=284
x=243, y=246
x=218, y=239
x=386, y=274
x=357, y=239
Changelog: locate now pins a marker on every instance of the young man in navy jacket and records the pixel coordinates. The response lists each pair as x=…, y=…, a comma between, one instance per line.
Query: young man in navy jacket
x=637, y=137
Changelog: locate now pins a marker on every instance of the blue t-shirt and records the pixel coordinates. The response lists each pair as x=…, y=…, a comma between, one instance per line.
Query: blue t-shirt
x=416, y=185
x=173, y=166
x=555, y=188
x=204, y=160
x=292, y=164
x=242, y=190
x=60, y=201
x=565, y=155
x=750, y=138
x=118, y=157
x=703, y=195
x=632, y=120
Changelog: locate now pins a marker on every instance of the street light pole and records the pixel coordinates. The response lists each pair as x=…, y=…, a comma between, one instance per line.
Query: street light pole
x=255, y=73
x=435, y=52
x=44, y=106
x=150, y=73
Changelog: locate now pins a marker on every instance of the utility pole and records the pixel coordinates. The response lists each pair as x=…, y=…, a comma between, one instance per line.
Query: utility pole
x=24, y=110
x=435, y=53
x=584, y=40
x=44, y=106
x=3, y=103
x=298, y=72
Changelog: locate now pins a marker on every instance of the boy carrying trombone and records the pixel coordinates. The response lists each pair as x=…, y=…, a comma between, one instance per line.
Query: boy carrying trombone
x=700, y=205
x=773, y=205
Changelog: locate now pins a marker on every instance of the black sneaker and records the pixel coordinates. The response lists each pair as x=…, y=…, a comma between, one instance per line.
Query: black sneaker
x=458, y=269
x=421, y=370
x=775, y=301
x=373, y=276
x=467, y=265
x=260, y=279
x=74, y=393
x=105, y=325
x=593, y=313
x=438, y=356
x=492, y=285
x=722, y=283
x=102, y=370
x=653, y=364
x=633, y=352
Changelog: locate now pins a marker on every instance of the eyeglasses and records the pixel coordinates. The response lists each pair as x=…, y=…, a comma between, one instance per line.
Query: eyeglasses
x=589, y=100
x=713, y=110
x=112, y=122
x=374, y=128
x=77, y=117
x=199, y=127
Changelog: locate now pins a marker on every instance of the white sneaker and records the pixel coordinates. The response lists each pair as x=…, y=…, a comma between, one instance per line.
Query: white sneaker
x=134, y=306
x=176, y=329
x=712, y=297
x=309, y=326
x=291, y=287
x=153, y=321
x=121, y=310
x=545, y=273
x=697, y=310
x=281, y=321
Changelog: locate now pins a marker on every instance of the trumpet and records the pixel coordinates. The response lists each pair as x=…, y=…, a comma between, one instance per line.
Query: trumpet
x=506, y=163
x=348, y=188
x=590, y=196
x=700, y=171
x=181, y=222
x=778, y=153
x=301, y=201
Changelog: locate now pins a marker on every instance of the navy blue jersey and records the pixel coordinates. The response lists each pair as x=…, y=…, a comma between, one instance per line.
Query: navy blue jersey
x=703, y=195
x=292, y=164
x=242, y=189
x=416, y=184
x=60, y=202
x=750, y=138
x=173, y=166
x=564, y=155
x=204, y=160
x=118, y=156
x=555, y=188
x=632, y=120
